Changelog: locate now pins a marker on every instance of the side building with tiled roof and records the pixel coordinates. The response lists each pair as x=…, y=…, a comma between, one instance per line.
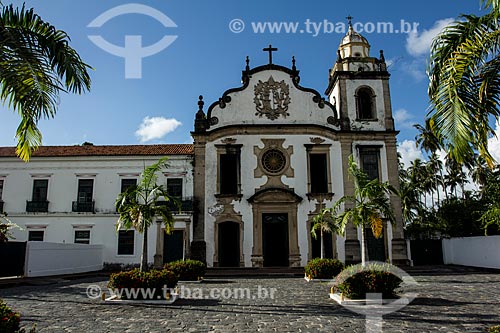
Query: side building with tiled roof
x=66, y=194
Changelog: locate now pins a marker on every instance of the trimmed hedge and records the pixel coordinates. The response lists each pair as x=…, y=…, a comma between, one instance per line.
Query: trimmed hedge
x=135, y=279
x=187, y=270
x=323, y=268
x=355, y=282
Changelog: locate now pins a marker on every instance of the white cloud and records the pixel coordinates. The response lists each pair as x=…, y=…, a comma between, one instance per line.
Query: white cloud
x=409, y=152
x=418, y=44
x=416, y=69
x=494, y=144
x=156, y=128
x=403, y=118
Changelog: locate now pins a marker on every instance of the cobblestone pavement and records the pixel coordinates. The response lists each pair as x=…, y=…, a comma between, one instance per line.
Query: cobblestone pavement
x=448, y=302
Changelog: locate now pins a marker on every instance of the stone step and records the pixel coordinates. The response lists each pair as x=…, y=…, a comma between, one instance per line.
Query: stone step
x=255, y=272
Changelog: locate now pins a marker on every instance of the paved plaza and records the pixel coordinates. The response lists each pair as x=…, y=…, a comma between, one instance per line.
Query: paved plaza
x=450, y=300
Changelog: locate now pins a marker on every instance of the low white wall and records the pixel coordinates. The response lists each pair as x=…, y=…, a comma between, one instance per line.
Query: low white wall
x=45, y=259
x=473, y=251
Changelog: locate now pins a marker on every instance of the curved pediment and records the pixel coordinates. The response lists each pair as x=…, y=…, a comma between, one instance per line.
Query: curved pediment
x=275, y=195
x=271, y=95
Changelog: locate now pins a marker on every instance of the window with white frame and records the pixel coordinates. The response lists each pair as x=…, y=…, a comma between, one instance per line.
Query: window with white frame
x=82, y=236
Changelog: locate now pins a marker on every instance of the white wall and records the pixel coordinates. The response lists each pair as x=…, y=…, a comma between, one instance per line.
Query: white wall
x=60, y=223
x=472, y=251
x=45, y=259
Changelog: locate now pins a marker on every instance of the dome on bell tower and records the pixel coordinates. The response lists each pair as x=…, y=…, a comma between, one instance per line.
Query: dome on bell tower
x=353, y=44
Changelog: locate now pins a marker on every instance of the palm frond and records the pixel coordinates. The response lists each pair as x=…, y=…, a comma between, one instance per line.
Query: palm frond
x=36, y=64
x=461, y=87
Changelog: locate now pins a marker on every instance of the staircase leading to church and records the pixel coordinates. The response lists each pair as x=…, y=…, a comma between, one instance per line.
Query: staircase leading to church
x=254, y=272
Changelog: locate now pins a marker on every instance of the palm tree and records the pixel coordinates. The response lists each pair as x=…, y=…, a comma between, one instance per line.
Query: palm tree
x=5, y=226
x=480, y=172
x=417, y=175
x=36, y=64
x=410, y=202
x=464, y=86
x=370, y=205
x=326, y=222
x=435, y=174
x=139, y=205
x=427, y=138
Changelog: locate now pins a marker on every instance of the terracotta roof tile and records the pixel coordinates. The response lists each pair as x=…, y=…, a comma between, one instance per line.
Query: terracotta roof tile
x=126, y=150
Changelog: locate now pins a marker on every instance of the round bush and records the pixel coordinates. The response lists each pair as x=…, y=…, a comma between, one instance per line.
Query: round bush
x=323, y=268
x=355, y=282
x=187, y=270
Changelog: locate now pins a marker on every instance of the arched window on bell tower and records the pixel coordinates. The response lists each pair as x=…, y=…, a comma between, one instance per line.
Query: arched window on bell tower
x=365, y=103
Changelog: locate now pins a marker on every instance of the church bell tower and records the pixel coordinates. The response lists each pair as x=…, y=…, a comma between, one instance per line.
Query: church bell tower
x=359, y=85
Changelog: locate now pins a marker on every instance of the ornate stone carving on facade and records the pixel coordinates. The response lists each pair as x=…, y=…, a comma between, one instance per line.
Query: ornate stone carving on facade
x=272, y=98
x=223, y=210
x=320, y=101
x=216, y=210
x=333, y=121
x=229, y=141
x=223, y=101
x=214, y=121
x=317, y=140
x=273, y=161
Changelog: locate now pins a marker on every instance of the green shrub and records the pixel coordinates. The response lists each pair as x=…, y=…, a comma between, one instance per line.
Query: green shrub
x=187, y=270
x=323, y=268
x=135, y=279
x=10, y=320
x=494, y=329
x=355, y=282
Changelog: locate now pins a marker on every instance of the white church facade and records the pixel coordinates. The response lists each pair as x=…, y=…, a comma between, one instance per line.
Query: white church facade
x=266, y=157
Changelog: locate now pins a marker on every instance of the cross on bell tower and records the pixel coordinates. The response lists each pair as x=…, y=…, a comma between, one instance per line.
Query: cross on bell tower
x=270, y=49
x=349, y=20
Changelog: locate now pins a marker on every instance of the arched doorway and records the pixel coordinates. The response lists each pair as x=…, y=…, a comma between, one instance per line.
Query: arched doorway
x=275, y=235
x=228, y=247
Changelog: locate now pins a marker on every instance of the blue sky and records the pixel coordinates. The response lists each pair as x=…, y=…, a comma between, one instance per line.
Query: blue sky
x=207, y=59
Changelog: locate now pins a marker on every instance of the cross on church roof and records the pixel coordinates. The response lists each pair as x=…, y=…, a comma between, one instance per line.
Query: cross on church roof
x=349, y=20
x=270, y=49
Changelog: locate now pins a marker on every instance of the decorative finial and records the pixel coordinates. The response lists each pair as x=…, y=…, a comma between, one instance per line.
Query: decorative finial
x=248, y=63
x=200, y=121
x=200, y=104
x=293, y=64
x=270, y=49
x=382, y=58
x=349, y=21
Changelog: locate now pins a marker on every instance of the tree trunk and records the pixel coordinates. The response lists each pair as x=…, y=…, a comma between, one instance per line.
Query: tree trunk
x=144, y=256
x=363, y=247
x=322, y=245
x=437, y=191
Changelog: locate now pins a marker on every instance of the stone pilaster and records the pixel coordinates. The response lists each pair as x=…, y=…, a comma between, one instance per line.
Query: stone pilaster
x=198, y=245
x=352, y=246
x=399, y=253
x=389, y=120
x=158, y=257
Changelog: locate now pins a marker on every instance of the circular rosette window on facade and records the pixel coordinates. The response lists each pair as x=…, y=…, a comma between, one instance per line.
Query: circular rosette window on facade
x=273, y=161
